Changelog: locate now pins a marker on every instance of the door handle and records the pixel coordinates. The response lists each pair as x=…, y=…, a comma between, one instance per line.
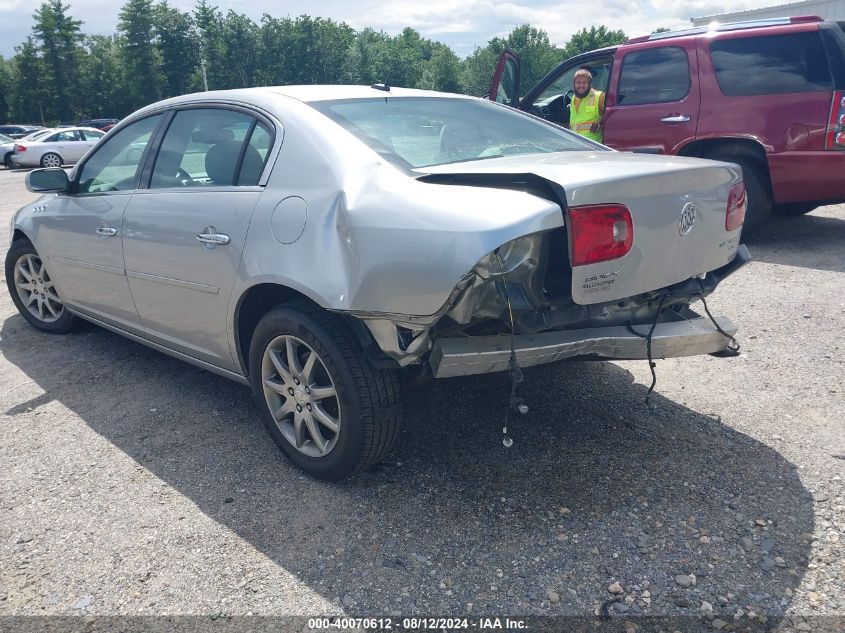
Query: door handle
x=676, y=118
x=213, y=238
x=107, y=231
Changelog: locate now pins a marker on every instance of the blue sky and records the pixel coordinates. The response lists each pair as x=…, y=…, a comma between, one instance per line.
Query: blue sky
x=461, y=24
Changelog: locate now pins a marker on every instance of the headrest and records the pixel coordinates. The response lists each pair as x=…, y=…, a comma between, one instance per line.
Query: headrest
x=210, y=136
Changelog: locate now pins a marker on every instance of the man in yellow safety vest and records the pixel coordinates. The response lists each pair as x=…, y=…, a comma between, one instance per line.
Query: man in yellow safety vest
x=586, y=109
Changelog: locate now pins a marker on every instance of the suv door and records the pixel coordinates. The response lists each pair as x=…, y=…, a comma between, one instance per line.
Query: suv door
x=184, y=235
x=551, y=97
x=504, y=88
x=81, y=235
x=654, y=99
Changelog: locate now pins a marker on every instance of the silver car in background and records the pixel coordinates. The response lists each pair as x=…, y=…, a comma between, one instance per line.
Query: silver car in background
x=54, y=148
x=7, y=146
x=315, y=242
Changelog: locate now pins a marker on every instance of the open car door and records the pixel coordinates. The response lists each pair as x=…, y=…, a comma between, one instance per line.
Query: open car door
x=505, y=85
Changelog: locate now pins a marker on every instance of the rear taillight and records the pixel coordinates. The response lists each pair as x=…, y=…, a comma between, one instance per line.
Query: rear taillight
x=737, y=204
x=835, y=138
x=20, y=148
x=600, y=232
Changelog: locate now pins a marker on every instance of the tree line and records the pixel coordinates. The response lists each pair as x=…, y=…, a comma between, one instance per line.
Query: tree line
x=60, y=74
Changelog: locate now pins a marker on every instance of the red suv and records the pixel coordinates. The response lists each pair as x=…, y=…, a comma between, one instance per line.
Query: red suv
x=768, y=95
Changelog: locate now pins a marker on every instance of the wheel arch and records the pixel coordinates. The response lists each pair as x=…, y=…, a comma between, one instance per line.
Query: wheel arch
x=259, y=299
x=18, y=234
x=746, y=148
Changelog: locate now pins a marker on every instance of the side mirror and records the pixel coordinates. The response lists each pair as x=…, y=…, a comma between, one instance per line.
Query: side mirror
x=51, y=180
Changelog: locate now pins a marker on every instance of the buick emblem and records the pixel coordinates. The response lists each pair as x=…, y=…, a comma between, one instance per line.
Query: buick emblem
x=687, y=218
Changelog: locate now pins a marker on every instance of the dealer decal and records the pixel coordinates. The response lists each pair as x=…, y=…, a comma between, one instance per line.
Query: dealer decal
x=594, y=282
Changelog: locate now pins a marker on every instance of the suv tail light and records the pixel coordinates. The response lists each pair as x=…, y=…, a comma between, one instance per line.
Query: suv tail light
x=20, y=148
x=600, y=232
x=737, y=205
x=836, y=126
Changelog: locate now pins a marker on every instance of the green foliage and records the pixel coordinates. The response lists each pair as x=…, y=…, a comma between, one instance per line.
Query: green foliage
x=5, y=88
x=139, y=57
x=159, y=50
x=443, y=71
x=58, y=37
x=177, y=48
x=590, y=39
x=102, y=95
x=537, y=54
x=27, y=79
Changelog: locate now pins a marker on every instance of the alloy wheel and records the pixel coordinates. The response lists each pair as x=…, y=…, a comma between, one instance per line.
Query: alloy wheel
x=51, y=160
x=301, y=396
x=36, y=290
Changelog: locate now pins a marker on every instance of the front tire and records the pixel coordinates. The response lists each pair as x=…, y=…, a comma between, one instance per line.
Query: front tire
x=326, y=407
x=51, y=159
x=33, y=292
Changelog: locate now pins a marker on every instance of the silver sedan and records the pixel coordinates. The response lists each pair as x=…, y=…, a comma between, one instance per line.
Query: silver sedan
x=7, y=146
x=316, y=242
x=54, y=148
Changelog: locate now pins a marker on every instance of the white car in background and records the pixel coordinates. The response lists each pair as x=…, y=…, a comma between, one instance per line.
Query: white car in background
x=61, y=146
x=7, y=146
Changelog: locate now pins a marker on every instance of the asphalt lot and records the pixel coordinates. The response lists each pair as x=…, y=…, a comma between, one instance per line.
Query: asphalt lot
x=135, y=484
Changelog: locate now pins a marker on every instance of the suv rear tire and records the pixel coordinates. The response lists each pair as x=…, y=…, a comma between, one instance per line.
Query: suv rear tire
x=757, y=187
x=334, y=418
x=796, y=208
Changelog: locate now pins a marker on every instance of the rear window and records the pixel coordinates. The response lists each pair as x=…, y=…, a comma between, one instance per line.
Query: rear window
x=774, y=64
x=426, y=131
x=655, y=75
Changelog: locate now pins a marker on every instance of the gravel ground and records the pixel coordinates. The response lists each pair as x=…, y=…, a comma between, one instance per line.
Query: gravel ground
x=135, y=484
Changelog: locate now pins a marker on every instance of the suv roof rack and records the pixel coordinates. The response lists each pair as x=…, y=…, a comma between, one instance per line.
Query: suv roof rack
x=728, y=26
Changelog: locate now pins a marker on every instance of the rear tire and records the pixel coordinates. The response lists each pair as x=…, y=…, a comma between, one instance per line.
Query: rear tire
x=757, y=187
x=32, y=290
x=362, y=406
x=51, y=159
x=796, y=208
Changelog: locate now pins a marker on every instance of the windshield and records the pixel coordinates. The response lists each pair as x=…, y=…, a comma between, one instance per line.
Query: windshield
x=5, y=139
x=427, y=131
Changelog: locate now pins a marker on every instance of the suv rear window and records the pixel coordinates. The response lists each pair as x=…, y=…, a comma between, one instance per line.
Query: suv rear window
x=774, y=64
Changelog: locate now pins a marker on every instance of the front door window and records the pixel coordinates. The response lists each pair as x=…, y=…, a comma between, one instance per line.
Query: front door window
x=116, y=165
x=553, y=102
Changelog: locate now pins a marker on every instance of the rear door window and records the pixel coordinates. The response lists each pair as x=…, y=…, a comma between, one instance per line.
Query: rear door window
x=207, y=147
x=774, y=64
x=63, y=137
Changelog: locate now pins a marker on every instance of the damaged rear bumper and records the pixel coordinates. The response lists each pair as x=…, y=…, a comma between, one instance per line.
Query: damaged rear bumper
x=690, y=336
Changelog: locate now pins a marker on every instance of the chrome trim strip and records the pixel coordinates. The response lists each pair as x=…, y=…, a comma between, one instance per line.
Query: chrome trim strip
x=90, y=265
x=190, y=285
x=161, y=348
x=485, y=354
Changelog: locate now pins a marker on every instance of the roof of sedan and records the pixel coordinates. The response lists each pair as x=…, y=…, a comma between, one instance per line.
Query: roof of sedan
x=326, y=92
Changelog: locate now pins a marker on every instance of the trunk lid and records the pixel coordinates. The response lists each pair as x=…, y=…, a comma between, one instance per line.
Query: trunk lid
x=659, y=192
